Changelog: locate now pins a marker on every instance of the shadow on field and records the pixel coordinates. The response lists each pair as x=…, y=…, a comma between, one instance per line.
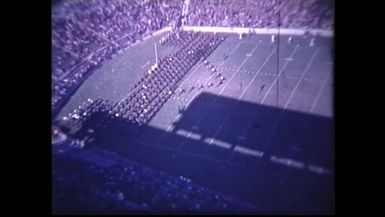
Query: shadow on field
x=288, y=171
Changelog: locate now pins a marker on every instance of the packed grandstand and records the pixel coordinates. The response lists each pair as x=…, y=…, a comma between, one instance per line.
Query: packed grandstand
x=85, y=33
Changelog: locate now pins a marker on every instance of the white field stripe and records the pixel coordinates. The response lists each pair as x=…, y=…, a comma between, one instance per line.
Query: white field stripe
x=288, y=162
x=182, y=132
x=318, y=169
x=195, y=136
x=248, y=151
x=217, y=142
x=186, y=133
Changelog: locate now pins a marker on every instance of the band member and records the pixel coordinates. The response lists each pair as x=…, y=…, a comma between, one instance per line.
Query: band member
x=262, y=87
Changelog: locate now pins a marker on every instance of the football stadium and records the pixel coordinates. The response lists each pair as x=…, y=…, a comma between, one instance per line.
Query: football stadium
x=193, y=107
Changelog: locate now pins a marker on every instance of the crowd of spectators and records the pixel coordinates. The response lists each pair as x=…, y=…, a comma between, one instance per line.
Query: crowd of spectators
x=84, y=33
x=316, y=14
x=97, y=181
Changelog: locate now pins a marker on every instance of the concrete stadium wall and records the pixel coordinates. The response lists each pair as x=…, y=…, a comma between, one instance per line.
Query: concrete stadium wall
x=160, y=31
x=239, y=30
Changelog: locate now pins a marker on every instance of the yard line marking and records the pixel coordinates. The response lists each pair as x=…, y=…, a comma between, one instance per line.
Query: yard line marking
x=264, y=98
x=302, y=134
x=282, y=112
x=161, y=136
x=318, y=169
x=220, y=92
x=193, y=97
x=145, y=64
x=318, y=95
x=279, y=74
x=243, y=92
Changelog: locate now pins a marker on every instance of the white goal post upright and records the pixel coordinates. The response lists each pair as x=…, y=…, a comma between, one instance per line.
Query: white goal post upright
x=156, y=54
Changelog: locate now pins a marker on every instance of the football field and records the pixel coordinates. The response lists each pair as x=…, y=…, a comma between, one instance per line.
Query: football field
x=264, y=136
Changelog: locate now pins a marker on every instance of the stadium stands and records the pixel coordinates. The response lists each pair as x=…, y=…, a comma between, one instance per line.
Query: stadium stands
x=84, y=33
x=305, y=14
x=97, y=181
